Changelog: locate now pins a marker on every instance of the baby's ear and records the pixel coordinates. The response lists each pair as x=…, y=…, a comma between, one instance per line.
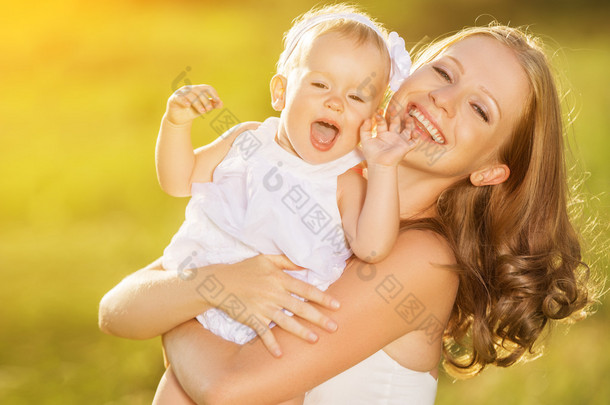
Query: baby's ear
x=278, y=92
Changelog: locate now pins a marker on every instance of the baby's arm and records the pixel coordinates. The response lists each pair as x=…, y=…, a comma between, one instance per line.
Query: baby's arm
x=178, y=166
x=370, y=212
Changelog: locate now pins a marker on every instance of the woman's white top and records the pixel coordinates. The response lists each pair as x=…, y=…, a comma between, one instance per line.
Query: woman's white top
x=262, y=199
x=377, y=380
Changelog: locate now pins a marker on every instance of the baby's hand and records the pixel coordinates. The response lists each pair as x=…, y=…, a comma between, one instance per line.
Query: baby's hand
x=188, y=102
x=390, y=145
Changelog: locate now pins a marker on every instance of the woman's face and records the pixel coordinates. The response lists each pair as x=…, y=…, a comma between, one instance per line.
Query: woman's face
x=465, y=104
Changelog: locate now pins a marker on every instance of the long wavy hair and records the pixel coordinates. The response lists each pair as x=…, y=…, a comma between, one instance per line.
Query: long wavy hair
x=518, y=254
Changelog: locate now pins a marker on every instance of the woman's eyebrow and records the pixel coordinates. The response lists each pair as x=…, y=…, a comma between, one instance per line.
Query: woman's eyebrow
x=488, y=93
x=483, y=89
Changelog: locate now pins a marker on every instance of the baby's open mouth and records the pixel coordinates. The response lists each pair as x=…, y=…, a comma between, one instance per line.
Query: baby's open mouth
x=323, y=135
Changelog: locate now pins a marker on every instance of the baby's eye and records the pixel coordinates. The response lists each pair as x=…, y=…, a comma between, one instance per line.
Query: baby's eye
x=443, y=73
x=481, y=112
x=319, y=85
x=356, y=98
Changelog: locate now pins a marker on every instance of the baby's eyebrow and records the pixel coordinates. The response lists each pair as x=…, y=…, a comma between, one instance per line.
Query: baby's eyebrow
x=316, y=72
x=457, y=62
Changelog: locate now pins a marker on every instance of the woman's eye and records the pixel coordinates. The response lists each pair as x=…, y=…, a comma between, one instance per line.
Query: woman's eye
x=443, y=73
x=356, y=98
x=318, y=85
x=481, y=112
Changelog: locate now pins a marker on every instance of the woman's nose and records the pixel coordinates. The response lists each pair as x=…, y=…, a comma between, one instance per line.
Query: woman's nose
x=445, y=98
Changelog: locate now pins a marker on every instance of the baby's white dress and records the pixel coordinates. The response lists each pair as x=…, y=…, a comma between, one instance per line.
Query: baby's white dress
x=262, y=200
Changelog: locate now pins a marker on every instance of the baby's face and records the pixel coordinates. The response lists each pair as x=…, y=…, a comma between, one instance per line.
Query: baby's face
x=335, y=87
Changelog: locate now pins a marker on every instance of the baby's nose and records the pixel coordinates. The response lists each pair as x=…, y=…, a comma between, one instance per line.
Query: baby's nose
x=334, y=104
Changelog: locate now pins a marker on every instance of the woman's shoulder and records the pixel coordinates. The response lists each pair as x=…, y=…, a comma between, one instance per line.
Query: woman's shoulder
x=422, y=251
x=427, y=243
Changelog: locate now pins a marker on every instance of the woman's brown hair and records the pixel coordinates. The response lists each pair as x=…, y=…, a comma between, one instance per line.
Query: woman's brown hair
x=518, y=254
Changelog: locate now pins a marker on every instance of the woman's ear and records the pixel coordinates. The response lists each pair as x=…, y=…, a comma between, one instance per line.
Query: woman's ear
x=278, y=92
x=490, y=175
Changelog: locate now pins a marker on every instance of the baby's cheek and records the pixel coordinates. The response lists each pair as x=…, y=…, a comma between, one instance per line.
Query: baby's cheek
x=354, y=139
x=362, y=114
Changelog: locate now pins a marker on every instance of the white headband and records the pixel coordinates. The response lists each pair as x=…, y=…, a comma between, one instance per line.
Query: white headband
x=399, y=57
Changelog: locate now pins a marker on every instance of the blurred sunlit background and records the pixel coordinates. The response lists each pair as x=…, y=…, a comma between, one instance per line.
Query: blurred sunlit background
x=83, y=87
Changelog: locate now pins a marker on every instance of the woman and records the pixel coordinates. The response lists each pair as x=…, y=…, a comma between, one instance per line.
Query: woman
x=486, y=255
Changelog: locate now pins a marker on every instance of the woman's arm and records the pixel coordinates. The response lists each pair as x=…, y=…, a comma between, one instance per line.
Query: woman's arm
x=379, y=303
x=152, y=301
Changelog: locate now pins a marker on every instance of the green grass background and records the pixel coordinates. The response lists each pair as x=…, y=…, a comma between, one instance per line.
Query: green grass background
x=83, y=86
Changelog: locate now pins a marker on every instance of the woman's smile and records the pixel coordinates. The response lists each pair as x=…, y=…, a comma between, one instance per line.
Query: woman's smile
x=426, y=125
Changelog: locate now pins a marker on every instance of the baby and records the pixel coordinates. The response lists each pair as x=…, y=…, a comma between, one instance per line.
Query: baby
x=286, y=187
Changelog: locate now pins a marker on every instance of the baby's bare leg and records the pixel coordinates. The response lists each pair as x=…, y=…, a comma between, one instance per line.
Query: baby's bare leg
x=295, y=401
x=169, y=391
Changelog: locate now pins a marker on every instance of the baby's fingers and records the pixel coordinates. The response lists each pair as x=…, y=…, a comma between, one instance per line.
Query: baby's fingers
x=408, y=133
x=180, y=95
x=409, y=136
x=201, y=101
x=191, y=98
x=207, y=100
x=213, y=97
x=180, y=98
x=366, y=130
x=382, y=125
x=394, y=122
x=410, y=142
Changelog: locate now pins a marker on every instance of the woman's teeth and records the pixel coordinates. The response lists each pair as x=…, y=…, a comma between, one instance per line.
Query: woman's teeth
x=428, y=125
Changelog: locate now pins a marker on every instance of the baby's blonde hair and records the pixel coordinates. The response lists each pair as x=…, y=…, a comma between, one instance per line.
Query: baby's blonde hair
x=294, y=51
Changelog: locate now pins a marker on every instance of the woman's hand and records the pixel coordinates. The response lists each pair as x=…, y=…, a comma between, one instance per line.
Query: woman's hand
x=151, y=301
x=188, y=102
x=255, y=292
